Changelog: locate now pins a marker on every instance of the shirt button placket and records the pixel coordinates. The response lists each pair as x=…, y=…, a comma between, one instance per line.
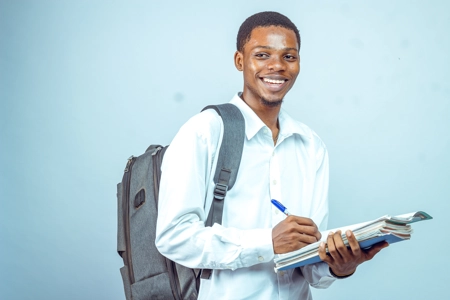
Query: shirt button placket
x=275, y=186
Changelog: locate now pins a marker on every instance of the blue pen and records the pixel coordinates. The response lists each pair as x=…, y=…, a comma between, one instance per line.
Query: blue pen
x=280, y=207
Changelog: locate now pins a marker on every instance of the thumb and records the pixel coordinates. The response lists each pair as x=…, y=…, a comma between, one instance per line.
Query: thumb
x=375, y=249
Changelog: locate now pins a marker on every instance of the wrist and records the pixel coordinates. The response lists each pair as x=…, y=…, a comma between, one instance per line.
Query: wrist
x=340, y=276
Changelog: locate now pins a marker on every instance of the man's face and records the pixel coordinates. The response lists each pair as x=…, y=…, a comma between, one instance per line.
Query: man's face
x=270, y=62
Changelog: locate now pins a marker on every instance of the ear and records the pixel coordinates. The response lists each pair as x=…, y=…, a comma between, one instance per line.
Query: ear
x=239, y=60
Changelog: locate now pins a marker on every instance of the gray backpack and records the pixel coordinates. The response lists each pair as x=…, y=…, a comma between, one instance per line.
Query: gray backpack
x=146, y=273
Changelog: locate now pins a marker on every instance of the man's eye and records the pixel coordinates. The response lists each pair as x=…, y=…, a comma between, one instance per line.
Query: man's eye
x=290, y=57
x=261, y=55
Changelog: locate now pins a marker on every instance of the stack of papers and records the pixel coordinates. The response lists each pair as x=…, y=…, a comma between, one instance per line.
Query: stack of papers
x=387, y=228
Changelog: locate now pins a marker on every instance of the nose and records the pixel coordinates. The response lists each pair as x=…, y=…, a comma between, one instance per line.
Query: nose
x=276, y=64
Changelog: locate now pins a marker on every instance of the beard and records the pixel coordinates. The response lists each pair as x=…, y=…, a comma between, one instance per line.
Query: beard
x=274, y=103
x=263, y=101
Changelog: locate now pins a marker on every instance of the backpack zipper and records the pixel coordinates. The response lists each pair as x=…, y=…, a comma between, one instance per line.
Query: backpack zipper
x=126, y=212
x=171, y=268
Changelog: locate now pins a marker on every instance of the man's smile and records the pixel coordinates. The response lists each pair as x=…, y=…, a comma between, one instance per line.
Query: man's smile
x=274, y=84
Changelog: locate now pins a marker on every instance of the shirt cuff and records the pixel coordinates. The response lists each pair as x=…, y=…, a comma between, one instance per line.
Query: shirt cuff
x=257, y=247
x=318, y=275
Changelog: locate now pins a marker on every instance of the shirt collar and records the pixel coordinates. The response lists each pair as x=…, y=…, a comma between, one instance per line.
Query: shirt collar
x=253, y=124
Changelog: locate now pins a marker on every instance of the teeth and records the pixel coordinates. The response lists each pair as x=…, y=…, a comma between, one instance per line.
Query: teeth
x=273, y=81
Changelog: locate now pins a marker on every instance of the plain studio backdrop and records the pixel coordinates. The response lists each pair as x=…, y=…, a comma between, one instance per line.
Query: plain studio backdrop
x=86, y=84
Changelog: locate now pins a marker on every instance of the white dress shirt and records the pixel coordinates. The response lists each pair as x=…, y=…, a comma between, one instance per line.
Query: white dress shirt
x=240, y=251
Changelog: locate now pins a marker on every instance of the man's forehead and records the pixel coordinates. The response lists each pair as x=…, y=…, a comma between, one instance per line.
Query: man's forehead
x=271, y=37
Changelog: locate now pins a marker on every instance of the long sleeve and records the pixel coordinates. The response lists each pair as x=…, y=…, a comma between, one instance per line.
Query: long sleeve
x=185, y=191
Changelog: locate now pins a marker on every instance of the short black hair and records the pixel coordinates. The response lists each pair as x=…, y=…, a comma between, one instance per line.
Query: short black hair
x=263, y=19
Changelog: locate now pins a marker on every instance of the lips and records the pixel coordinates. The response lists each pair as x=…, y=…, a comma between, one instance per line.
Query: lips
x=274, y=84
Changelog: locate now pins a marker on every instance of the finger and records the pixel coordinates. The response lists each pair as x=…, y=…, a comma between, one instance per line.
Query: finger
x=308, y=226
x=305, y=238
x=375, y=249
x=323, y=253
x=294, y=228
x=295, y=239
x=341, y=247
x=301, y=220
x=354, y=245
x=332, y=248
x=308, y=230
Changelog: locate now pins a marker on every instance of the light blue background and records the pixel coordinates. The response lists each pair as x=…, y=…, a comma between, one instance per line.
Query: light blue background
x=85, y=84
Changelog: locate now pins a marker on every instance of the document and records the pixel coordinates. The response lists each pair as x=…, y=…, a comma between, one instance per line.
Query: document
x=386, y=228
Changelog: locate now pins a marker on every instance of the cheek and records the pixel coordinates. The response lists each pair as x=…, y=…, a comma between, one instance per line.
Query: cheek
x=250, y=70
x=256, y=68
x=250, y=66
x=295, y=70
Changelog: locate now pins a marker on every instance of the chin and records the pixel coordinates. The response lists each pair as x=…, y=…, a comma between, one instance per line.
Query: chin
x=272, y=102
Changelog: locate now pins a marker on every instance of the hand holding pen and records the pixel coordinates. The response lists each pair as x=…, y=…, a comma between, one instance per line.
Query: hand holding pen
x=294, y=232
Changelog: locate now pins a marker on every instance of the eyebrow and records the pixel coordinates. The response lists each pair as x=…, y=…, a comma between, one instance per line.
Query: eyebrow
x=271, y=48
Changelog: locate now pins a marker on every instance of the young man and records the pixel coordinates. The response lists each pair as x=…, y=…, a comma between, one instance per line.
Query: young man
x=282, y=159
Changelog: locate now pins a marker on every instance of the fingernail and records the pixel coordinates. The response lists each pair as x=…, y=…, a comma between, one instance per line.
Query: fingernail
x=322, y=245
x=330, y=233
x=348, y=233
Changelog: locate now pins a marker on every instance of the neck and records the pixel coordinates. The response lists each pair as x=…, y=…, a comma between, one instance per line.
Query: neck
x=267, y=113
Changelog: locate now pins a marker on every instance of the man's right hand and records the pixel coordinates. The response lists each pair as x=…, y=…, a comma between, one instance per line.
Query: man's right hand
x=294, y=233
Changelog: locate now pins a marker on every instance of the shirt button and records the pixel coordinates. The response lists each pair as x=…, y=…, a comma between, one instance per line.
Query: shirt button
x=282, y=273
x=260, y=258
x=274, y=182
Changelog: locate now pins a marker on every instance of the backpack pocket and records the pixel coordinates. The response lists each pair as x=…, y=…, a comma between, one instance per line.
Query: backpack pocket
x=155, y=287
x=126, y=282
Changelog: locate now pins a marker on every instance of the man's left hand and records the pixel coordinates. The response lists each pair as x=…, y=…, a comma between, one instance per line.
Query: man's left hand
x=343, y=261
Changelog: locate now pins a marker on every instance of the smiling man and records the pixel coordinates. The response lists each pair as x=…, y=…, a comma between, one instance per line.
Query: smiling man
x=282, y=159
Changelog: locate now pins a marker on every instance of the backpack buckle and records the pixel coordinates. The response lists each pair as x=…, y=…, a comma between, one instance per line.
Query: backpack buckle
x=205, y=274
x=220, y=191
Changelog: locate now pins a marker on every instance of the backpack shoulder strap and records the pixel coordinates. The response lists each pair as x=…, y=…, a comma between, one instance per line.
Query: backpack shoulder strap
x=229, y=159
x=228, y=162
